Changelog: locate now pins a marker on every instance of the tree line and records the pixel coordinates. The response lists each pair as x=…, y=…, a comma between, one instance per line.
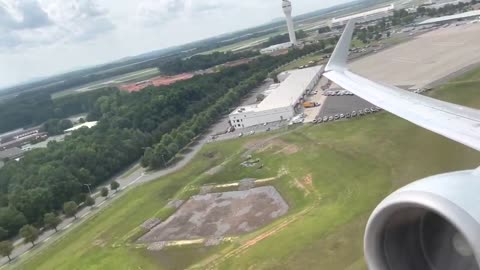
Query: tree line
x=278, y=39
x=31, y=109
x=200, y=62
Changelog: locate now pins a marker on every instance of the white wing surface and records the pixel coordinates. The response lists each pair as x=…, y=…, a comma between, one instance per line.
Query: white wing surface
x=459, y=123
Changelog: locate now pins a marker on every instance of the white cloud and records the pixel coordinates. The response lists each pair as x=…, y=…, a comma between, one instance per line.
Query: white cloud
x=45, y=37
x=30, y=23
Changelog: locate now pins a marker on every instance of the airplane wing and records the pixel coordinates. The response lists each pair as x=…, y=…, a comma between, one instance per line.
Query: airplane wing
x=459, y=123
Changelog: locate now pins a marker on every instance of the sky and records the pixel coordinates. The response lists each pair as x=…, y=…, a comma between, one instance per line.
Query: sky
x=45, y=37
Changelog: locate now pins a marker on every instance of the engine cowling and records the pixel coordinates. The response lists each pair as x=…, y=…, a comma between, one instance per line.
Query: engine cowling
x=431, y=224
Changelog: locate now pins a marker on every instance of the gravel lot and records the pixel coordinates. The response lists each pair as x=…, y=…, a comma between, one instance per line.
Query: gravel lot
x=343, y=104
x=217, y=215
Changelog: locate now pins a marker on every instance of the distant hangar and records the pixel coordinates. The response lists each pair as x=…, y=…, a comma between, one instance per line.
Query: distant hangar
x=280, y=104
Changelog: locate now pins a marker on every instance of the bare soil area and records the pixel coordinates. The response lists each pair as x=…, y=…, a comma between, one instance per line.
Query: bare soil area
x=220, y=214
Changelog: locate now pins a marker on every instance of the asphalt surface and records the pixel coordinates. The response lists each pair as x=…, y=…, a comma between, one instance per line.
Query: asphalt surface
x=343, y=104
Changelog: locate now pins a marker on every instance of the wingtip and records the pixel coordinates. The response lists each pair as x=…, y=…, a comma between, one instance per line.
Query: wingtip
x=338, y=60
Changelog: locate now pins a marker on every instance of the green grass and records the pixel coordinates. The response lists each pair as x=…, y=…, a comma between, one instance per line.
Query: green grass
x=353, y=164
x=238, y=45
x=304, y=61
x=136, y=76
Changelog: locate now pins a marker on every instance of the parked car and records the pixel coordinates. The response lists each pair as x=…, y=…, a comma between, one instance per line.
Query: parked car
x=373, y=109
x=347, y=115
x=315, y=121
x=240, y=135
x=342, y=115
x=252, y=132
x=325, y=118
x=367, y=110
x=320, y=120
x=337, y=117
x=360, y=112
x=354, y=114
x=331, y=118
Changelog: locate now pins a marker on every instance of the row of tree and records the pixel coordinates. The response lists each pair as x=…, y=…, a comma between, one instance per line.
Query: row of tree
x=449, y=9
x=200, y=62
x=282, y=38
x=51, y=221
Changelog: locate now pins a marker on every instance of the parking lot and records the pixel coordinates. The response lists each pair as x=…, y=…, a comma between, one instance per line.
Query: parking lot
x=343, y=105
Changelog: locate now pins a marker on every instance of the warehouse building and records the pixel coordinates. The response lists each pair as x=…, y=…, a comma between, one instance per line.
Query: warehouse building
x=280, y=104
x=367, y=16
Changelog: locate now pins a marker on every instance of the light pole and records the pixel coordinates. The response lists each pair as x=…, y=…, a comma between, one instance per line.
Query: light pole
x=164, y=162
x=89, y=190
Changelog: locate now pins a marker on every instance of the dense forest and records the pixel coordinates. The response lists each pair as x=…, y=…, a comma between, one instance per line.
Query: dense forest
x=200, y=62
x=35, y=108
x=154, y=124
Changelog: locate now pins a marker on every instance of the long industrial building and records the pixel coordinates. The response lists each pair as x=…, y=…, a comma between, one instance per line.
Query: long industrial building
x=280, y=104
x=367, y=16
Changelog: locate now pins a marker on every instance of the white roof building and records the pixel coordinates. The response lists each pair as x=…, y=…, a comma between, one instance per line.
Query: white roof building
x=87, y=125
x=280, y=104
x=366, y=16
x=276, y=47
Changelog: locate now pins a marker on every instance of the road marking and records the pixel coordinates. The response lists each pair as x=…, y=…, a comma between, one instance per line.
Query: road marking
x=102, y=203
x=24, y=253
x=68, y=226
x=46, y=239
x=84, y=215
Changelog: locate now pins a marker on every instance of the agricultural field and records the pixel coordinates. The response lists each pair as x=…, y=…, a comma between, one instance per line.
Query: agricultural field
x=330, y=175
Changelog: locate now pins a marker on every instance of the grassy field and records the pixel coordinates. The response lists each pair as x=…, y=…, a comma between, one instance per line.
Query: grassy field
x=333, y=175
x=126, y=78
x=302, y=62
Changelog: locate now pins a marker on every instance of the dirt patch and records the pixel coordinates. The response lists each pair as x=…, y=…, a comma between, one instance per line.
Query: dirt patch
x=99, y=243
x=214, y=170
x=306, y=184
x=308, y=181
x=217, y=215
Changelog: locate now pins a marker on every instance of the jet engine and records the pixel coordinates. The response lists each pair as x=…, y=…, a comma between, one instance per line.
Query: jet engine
x=432, y=224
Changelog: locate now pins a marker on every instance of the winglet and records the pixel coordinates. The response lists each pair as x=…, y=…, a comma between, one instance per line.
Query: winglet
x=338, y=60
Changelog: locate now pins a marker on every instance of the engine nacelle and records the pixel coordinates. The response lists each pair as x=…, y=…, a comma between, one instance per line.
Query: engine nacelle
x=432, y=224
